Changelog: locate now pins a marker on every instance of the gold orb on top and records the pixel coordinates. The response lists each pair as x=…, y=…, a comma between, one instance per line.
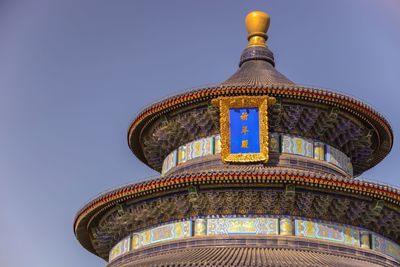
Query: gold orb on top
x=257, y=24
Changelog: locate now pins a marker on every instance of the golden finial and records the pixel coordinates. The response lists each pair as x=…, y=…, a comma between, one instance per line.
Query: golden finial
x=257, y=23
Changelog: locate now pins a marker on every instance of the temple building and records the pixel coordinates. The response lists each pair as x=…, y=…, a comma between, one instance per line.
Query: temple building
x=255, y=171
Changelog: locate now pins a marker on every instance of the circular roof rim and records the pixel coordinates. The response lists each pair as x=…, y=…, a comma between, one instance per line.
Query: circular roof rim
x=272, y=86
x=118, y=193
x=288, y=90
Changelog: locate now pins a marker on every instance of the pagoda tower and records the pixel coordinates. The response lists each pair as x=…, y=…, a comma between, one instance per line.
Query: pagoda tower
x=256, y=171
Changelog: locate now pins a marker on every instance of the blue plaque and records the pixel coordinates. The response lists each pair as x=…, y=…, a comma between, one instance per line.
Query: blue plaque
x=244, y=130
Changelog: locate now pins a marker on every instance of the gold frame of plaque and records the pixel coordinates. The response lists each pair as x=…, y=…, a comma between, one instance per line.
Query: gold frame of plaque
x=243, y=102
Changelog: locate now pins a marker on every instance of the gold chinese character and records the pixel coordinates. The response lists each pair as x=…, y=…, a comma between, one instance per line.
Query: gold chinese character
x=245, y=143
x=244, y=116
x=245, y=130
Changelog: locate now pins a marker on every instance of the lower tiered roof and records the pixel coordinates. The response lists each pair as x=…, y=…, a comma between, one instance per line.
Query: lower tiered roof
x=252, y=251
x=338, y=199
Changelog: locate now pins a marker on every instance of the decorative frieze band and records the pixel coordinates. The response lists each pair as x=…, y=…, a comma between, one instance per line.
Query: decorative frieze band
x=262, y=225
x=278, y=143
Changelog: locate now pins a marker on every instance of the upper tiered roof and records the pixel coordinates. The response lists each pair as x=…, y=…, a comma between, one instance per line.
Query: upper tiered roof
x=341, y=121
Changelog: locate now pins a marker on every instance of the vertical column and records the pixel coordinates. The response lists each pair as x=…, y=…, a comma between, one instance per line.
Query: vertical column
x=365, y=239
x=285, y=226
x=200, y=227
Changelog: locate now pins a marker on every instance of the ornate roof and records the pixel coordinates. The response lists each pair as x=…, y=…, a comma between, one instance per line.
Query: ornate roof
x=364, y=193
x=246, y=256
x=347, y=124
x=256, y=68
x=341, y=121
x=287, y=186
x=253, y=251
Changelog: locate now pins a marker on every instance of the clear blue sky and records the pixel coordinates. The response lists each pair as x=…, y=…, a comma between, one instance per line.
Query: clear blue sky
x=73, y=74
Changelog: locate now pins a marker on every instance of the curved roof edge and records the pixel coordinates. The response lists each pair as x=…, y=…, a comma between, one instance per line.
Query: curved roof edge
x=266, y=177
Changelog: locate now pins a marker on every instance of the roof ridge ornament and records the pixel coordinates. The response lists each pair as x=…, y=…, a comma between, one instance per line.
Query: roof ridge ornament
x=257, y=24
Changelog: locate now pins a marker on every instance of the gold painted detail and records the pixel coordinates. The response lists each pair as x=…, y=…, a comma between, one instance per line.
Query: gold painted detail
x=245, y=144
x=200, y=227
x=285, y=226
x=225, y=104
x=245, y=130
